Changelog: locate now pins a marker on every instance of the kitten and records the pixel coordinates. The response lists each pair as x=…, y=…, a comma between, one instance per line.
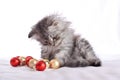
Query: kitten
x=59, y=41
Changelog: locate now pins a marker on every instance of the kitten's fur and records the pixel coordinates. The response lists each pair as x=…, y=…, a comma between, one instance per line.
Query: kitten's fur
x=59, y=41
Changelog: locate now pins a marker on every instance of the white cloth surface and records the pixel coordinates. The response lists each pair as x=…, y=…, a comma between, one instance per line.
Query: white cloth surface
x=110, y=70
x=96, y=20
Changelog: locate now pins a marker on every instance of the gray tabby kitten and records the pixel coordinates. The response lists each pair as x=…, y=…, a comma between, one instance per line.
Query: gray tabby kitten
x=59, y=41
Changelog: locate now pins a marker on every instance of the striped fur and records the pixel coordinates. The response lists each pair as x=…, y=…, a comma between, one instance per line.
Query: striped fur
x=59, y=41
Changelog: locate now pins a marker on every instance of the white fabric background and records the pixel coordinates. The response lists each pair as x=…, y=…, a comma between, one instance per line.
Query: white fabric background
x=96, y=20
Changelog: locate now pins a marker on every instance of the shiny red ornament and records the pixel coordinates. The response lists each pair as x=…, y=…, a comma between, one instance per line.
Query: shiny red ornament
x=15, y=62
x=27, y=59
x=40, y=66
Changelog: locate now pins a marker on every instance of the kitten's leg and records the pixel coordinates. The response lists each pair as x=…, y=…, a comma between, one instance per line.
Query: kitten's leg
x=45, y=52
x=77, y=59
x=90, y=55
x=78, y=62
x=84, y=49
x=64, y=48
x=44, y=55
x=63, y=57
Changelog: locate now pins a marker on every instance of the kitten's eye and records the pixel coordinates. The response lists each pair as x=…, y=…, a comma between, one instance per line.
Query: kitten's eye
x=55, y=23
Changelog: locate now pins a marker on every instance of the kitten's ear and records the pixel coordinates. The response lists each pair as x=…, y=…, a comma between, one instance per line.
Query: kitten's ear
x=31, y=33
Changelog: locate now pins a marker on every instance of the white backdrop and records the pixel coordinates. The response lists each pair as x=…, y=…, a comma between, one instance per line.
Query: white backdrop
x=96, y=20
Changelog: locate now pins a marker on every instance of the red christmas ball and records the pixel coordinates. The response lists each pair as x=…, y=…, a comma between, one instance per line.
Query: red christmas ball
x=40, y=66
x=15, y=62
x=27, y=59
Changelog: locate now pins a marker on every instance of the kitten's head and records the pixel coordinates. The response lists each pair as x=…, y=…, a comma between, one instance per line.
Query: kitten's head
x=48, y=28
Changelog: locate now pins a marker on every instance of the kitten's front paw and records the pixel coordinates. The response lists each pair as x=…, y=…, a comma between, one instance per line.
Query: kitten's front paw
x=44, y=56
